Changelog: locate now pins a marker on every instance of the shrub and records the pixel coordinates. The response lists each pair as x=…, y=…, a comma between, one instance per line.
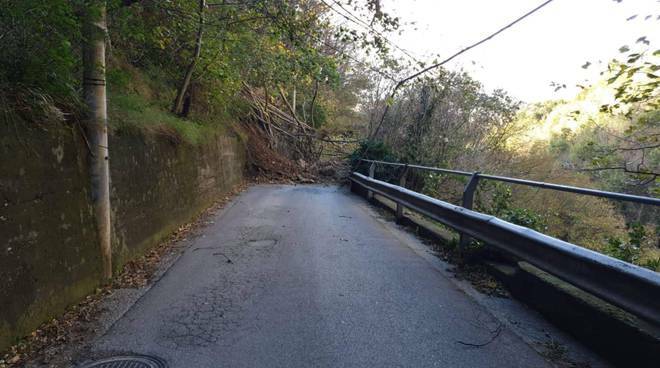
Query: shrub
x=370, y=150
x=627, y=251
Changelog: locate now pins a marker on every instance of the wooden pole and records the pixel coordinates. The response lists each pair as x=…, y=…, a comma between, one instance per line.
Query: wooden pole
x=96, y=124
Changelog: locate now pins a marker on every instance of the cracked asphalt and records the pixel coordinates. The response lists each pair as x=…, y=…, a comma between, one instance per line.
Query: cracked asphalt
x=308, y=276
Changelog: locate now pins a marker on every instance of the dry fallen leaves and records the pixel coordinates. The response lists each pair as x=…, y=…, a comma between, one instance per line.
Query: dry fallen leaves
x=51, y=338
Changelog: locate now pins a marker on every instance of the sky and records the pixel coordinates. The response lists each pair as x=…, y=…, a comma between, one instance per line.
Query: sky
x=549, y=46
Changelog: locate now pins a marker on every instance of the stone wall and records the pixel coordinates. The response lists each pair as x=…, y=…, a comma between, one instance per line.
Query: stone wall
x=49, y=256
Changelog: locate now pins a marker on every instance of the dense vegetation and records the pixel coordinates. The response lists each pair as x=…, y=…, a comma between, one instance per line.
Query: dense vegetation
x=606, y=138
x=268, y=71
x=179, y=67
x=185, y=68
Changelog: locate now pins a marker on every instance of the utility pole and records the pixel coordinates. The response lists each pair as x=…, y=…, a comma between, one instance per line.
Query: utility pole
x=96, y=123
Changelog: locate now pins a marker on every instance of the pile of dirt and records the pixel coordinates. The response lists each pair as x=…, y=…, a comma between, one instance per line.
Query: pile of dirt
x=333, y=170
x=265, y=164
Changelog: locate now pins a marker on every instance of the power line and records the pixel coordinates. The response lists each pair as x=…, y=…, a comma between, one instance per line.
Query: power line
x=406, y=52
x=342, y=53
x=356, y=20
x=417, y=74
x=218, y=22
x=360, y=62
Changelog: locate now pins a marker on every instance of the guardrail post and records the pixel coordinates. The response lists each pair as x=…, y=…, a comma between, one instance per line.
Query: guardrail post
x=467, y=202
x=372, y=171
x=402, y=183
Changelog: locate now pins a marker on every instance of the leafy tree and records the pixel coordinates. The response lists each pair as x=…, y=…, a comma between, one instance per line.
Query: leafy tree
x=449, y=121
x=630, y=250
x=39, y=62
x=635, y=151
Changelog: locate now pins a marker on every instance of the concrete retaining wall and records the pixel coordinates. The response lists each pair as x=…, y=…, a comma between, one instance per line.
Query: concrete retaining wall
x=49, y=256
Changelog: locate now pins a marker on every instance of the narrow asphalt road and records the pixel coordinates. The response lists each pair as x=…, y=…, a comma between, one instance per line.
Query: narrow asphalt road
x=307, y=276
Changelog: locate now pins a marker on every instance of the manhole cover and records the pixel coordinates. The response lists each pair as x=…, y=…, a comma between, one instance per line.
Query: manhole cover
x=135, y=361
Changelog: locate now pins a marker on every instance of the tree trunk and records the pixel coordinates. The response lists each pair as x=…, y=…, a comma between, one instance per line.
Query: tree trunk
x=181, y=94
x=311, y=109
x=96, y=123
x=293, y=100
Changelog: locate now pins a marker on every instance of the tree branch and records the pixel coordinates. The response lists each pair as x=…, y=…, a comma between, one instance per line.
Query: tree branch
x=624, y=168
x=434, y=66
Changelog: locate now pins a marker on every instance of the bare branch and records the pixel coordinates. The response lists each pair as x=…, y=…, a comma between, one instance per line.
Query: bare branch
x=434, y=66
x=624, y=168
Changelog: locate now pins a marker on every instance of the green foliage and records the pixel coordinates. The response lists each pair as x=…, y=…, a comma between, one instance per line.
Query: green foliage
x=611, y=129
x=268, y=45
x=40, y=41
x=448, y=118
x=634, y=81
x=652, y=264
x=320, y=116
x=561, y=143
x=445, y=187
x=130, y=112
x=370, y=150
x=501, y=206
x=526, y=218
x=628, y=251
x=608, y=133
x=118, y=78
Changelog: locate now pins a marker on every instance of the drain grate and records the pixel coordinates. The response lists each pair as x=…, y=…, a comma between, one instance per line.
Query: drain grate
x=128, y=361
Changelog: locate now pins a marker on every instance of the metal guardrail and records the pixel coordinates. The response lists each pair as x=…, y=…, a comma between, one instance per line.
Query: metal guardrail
x=630, y=287
x=532, y=183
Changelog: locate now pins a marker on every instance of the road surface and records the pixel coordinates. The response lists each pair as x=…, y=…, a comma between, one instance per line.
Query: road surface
x=308, y=276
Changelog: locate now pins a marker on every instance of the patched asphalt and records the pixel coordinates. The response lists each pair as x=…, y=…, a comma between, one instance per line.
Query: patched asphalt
x=307, y=276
